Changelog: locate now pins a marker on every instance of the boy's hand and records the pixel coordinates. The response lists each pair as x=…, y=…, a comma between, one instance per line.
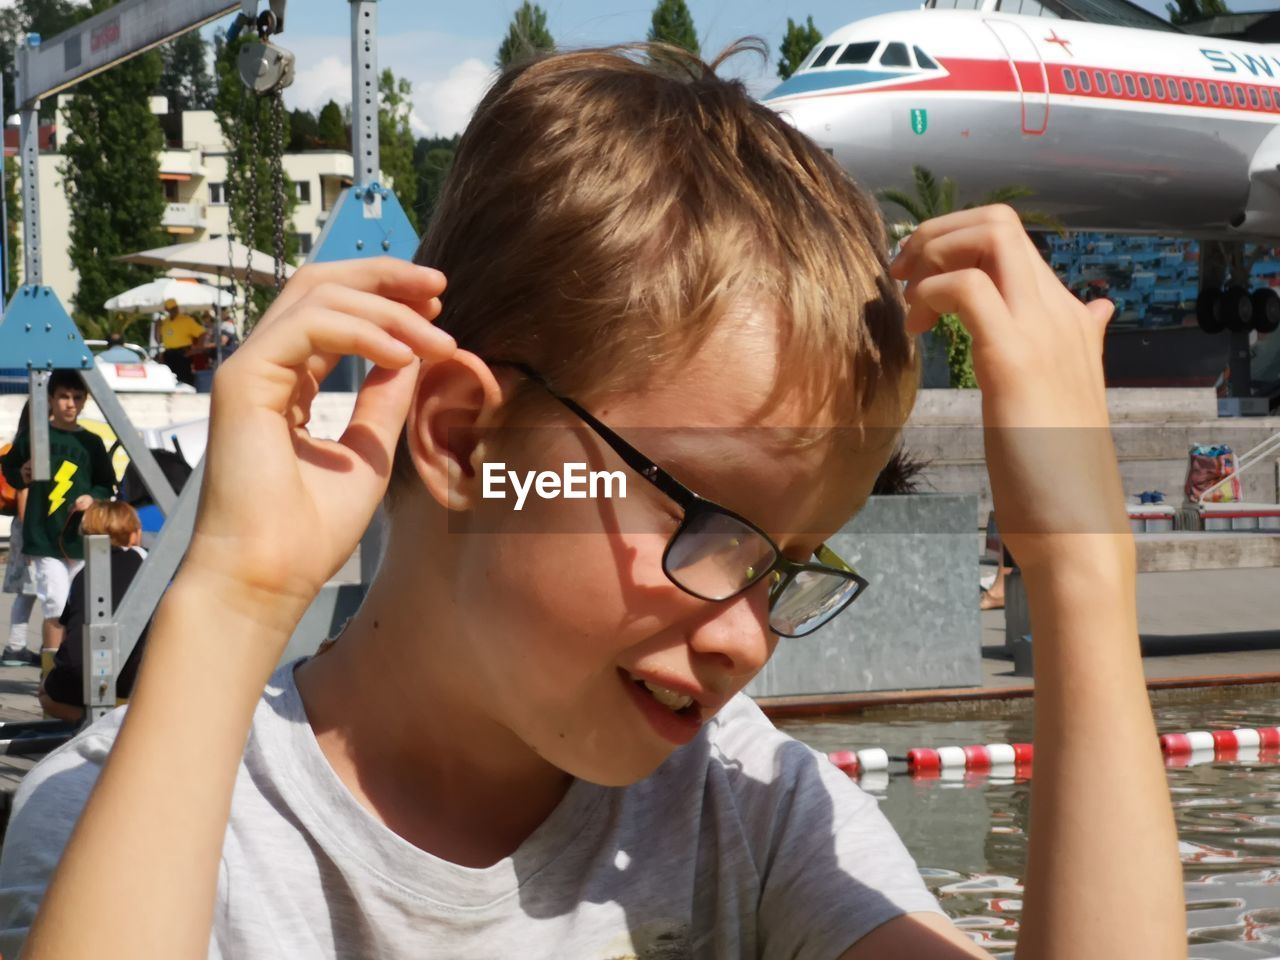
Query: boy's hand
x=25, y=471
x=1037, y=354
x=83, y=503
x=281, y=511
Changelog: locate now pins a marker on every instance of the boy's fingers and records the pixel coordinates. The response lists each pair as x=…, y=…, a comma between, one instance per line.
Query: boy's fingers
x=999, y=250
x=379, y=415
x=389, y=277
x=410, y=324
x=971, y=294
x=993, y=215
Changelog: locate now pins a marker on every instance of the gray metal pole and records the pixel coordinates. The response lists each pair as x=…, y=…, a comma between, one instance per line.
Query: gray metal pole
x=38, y=392
x=364, y=92
x=5, y=252
x=29, y=152
x=101, y=634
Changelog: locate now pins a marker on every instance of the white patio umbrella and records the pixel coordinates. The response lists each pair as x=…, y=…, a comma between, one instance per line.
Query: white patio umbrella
x=212, y=256
x=151, y=297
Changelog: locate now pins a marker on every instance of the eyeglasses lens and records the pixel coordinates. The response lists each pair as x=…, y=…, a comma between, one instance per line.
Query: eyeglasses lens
x=714, y=556
x=809, y=600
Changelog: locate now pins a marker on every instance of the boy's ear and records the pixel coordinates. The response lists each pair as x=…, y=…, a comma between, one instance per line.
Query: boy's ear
x=454, y=402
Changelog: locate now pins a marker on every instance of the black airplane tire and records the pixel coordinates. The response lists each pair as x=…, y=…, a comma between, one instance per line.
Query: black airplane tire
x=1207, y=312
x=1266, y=310
x=1236, y=309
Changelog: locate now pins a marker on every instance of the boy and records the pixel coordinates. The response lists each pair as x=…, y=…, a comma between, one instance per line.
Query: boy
x=654, y=274
x=62, y=691
x=79, y=473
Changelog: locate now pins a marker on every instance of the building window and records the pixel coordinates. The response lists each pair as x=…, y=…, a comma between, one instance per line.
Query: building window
x=218, y=192
x=1146, y=87
x=171, y=190
x=1069, y=78
x=1159, y=88
x=302, y=188
x=304, y=244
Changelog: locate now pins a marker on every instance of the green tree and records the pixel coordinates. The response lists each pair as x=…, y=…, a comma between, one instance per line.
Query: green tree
x=112, y=174
x=395, y=141
x=673, y=23
x=332, y=127
x=432, y=158
x=186, y=80
x=304, y=130
x=1189, y=11
x=13, y=209
x=796, y=44
x=527, y=36
x=247, y=122
x=930, y=199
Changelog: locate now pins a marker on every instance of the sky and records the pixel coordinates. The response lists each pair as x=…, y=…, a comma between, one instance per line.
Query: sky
x=447, y=50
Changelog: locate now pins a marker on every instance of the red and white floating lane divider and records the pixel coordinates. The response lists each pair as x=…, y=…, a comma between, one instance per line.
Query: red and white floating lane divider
x=922, y=761
x=1220, y=741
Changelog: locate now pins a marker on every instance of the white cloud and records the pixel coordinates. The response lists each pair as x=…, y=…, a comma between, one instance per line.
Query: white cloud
x=443, y=107
x=447, y=73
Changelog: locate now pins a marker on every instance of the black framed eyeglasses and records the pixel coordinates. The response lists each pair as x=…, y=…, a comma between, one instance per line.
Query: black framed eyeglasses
x=716, y=554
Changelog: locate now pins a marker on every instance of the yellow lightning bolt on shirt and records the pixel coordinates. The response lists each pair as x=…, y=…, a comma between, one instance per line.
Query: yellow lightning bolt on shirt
x=58, y=495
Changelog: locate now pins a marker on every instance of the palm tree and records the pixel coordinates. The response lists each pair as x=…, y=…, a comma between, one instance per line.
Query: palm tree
x=933, y=199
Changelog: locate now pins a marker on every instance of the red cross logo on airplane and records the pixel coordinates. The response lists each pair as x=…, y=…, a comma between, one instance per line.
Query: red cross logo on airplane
x=1054, y=38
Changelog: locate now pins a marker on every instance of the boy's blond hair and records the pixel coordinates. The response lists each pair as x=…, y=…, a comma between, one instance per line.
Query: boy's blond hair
x=606, y=208
x=116, y=519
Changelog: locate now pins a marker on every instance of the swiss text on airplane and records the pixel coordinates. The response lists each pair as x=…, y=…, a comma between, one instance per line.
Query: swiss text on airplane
x=1256, y=65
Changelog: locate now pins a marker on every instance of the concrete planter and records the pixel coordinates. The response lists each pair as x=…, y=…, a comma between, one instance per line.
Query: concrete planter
x=917, y=626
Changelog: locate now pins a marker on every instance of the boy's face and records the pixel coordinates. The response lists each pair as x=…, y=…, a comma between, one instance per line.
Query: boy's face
x=65, y=406
x=565, y=606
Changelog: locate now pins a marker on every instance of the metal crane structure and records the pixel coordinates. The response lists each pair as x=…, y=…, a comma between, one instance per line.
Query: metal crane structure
x=37, y=333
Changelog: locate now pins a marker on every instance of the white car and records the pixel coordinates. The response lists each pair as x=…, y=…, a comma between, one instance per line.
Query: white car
x=128, y=369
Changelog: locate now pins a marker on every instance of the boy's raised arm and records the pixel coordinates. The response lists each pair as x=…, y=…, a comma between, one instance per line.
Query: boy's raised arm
x=1103, y=876
x=154, y=823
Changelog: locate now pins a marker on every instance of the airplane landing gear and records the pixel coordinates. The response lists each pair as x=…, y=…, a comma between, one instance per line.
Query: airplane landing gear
x=1266, y=310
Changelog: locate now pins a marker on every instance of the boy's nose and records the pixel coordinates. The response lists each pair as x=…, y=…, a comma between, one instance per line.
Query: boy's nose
x=737, y=635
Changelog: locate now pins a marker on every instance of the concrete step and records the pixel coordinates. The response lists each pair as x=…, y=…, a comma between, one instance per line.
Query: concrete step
x=1154, y=404
x=1169, y=552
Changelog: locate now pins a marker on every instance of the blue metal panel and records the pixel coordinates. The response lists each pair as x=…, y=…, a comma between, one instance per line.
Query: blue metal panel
x=366, y=222
x=36, y=333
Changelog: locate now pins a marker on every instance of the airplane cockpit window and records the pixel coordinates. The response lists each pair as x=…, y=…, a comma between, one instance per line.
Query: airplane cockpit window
x=859, y=52
x=924, y=60
x=895, y=55
x=827, y=53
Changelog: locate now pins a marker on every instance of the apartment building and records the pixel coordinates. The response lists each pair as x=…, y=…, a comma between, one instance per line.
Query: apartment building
x=193, y=172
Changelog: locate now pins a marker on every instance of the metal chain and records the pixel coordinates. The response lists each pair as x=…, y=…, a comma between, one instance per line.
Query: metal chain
x=250, y=180
x=277, y=185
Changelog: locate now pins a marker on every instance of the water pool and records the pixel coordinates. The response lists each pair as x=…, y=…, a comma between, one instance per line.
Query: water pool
x=967, y=832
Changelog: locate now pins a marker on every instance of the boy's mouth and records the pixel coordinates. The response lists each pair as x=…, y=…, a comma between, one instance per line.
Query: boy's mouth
x=673, y=700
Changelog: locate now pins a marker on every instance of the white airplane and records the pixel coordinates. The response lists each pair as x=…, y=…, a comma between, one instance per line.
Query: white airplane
x=1114, y=128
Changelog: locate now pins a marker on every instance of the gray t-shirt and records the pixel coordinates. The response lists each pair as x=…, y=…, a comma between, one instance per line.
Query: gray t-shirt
x=744, y=843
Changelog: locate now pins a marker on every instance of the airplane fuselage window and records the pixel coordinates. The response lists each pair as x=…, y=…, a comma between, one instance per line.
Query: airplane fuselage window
x=1199, y=91
x=1145, y=84
x=1213, y=92
x=827, y=53
x=1266, y=98
x=1115, y=82
x=1159, y=88
x=1173, y=90
x=1100, y=80
x=1186, y=89
x=1129, y=85
x=1253, y=97
x=1085, y=84
x=1240, y=95
x=895, y=55
x=1226, y=95
x=1069, y=78
x=859, y=52
x=924, y=60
